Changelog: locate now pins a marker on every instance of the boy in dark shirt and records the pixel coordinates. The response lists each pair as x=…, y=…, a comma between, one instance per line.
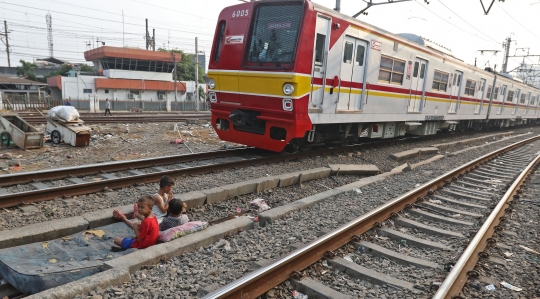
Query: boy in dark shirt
x=146, y=233
x=176, y=215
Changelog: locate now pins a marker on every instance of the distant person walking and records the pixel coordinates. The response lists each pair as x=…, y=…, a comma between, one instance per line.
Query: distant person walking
x=68, y=103
x=107, y=107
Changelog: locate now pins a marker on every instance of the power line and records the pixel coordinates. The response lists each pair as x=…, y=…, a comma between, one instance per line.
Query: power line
x=518, y=22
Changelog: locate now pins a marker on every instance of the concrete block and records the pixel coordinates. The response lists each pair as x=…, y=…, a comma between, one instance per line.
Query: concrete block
x=426, y=228
x=76, y=180
x=315, y=174
x=266, y=183
x=231, y=190
x=427, y=161
x=105, y=217
x=83, y=286
x=361, y=183
x=40, y=232
x=152, y=255
x=411, y=240
x=192, y=199
x=135, y=172
x=215, y=195
x=428, y=150
x=288, y=179
x=399, y=258
x=315, y=289
x=246, y=187
x=374, y=277
x=28, y=209
x=272, y=215
x=352, y=169
x=108, y=176
x=405, y=154
x=159, y=169
x=40, y=186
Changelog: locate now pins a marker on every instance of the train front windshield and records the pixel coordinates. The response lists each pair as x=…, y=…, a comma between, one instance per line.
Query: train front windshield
x=274, y=35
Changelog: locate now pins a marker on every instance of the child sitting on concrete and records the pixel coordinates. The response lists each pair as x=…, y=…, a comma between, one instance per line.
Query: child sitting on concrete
x=176, y=215
x=161, y=199
x=146, y=233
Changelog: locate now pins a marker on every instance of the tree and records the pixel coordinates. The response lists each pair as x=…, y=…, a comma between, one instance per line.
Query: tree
x=86, y=68
x=62, y=71
x=185, y=69
x=26, y=70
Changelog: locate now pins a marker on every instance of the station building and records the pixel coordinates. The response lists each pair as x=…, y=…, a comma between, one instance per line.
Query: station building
x=129, y=78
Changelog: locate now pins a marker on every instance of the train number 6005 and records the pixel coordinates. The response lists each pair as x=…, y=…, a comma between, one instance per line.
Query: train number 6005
x=240, y=13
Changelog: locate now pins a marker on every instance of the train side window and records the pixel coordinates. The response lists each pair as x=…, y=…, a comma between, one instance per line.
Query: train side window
x=522, y=99
x=422, y=71
x=489, y=92
x=440, y=81
x=391, y=70
x=459, y=80
x=319, y=49
x=347, y=53
x=219, y=43
x=360, y=50
x=470, y=87
x=510, y=96
x=496, y=93
x=415, y=71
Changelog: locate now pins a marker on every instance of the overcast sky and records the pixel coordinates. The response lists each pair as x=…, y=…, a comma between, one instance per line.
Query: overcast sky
x=460, y=25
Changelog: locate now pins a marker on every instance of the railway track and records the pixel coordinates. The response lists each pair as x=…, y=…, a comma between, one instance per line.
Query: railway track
x=145, y=171
x=36, y=120
x=459, y=212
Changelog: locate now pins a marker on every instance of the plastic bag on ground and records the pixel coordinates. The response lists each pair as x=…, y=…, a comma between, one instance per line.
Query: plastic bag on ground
x=64, y=113
x=52, y=112
x=260, y=203
x=298, y=295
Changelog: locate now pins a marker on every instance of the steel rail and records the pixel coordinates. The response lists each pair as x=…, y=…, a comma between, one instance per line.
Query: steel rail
x=260, y=281
x=89, y=169
x=456, y=279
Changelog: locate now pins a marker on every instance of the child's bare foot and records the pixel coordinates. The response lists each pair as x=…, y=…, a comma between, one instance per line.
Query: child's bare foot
x=118, y=215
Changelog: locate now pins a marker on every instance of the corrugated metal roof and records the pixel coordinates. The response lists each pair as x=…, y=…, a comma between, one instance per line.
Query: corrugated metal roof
x=10, y=80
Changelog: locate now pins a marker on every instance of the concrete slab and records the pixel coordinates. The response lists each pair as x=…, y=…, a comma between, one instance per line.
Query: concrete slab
x=28, y=209
x=399, y=258
x=438, y=218
x=40, y=232
x=192, y=199
x=135, y=172
x=405, y=155
x=265, y=183
x=83, y=286
x=231, y=190
x=459, y=203
x=374, y=277
x=247, y=187
x=470, y=140
x=315, y=174
x=427, y=161
x=272, y=215
x=105, y=217
x=361, y=183
x=411, y=240
x=108, y=176
x=152, y=255
x=449, y=210
x=40, y=186
x=315, y=289
x=288, y=179
x=352, y=169
x=426, y=228
x=76, y=180
x=215, y=195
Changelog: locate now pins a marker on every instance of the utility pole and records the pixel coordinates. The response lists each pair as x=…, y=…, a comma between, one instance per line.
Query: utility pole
x=506, y=45
x=174, y=75
x=338, y=5
x=146, y=34
x=154, y=39
x=197, y=74
x=7, y=43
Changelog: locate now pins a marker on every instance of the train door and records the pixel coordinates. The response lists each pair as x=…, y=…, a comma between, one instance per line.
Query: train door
x=417, y=85
x=351, y=74
x=536, y=104
x=480, y=96
x=456, y=92
x=320, y=57
x=500, y=99
x=517, y=97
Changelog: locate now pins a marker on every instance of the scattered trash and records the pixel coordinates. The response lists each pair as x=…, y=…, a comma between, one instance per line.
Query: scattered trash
x=529, y=250
x=45, y=244
x=222, y=243
x=298, y=295
x=352, y=258
x=96, y=232
x=260, y=204
x=348, y=258
x=238, y=210
x=177, y=141
x=417, y=185
x=187, y=132
x=325, y=264
x=508, y=254
x=383, y=238
x=435, y=201
x=54, y=261
x=358, y=191
x=97, y=179
x=511, y=287
x=456, y=216
x=490, y=287
x=403, y=229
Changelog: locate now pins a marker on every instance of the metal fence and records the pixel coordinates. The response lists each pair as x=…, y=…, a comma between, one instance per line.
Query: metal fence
x=22, y=102
x=129, y=105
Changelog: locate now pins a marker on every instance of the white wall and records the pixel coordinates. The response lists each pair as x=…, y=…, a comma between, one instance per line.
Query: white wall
x=137, y=75
x=73, y=87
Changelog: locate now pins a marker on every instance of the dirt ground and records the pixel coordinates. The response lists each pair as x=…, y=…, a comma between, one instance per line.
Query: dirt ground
x=115, y=142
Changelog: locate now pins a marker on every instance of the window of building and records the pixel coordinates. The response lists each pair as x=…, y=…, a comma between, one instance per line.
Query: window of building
x=360, y=50
x=391, y=70
x=470, y=87
x=319, y=49
x=219, y=40
x=134, y=92
x=106, y=91
x=522, y=99
x=510, y=96
x=89, y=90
x=348, y=52
x=440, y=81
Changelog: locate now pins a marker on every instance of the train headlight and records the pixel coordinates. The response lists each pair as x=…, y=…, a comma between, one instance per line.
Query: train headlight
x=211, y=83
x=288, y=89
